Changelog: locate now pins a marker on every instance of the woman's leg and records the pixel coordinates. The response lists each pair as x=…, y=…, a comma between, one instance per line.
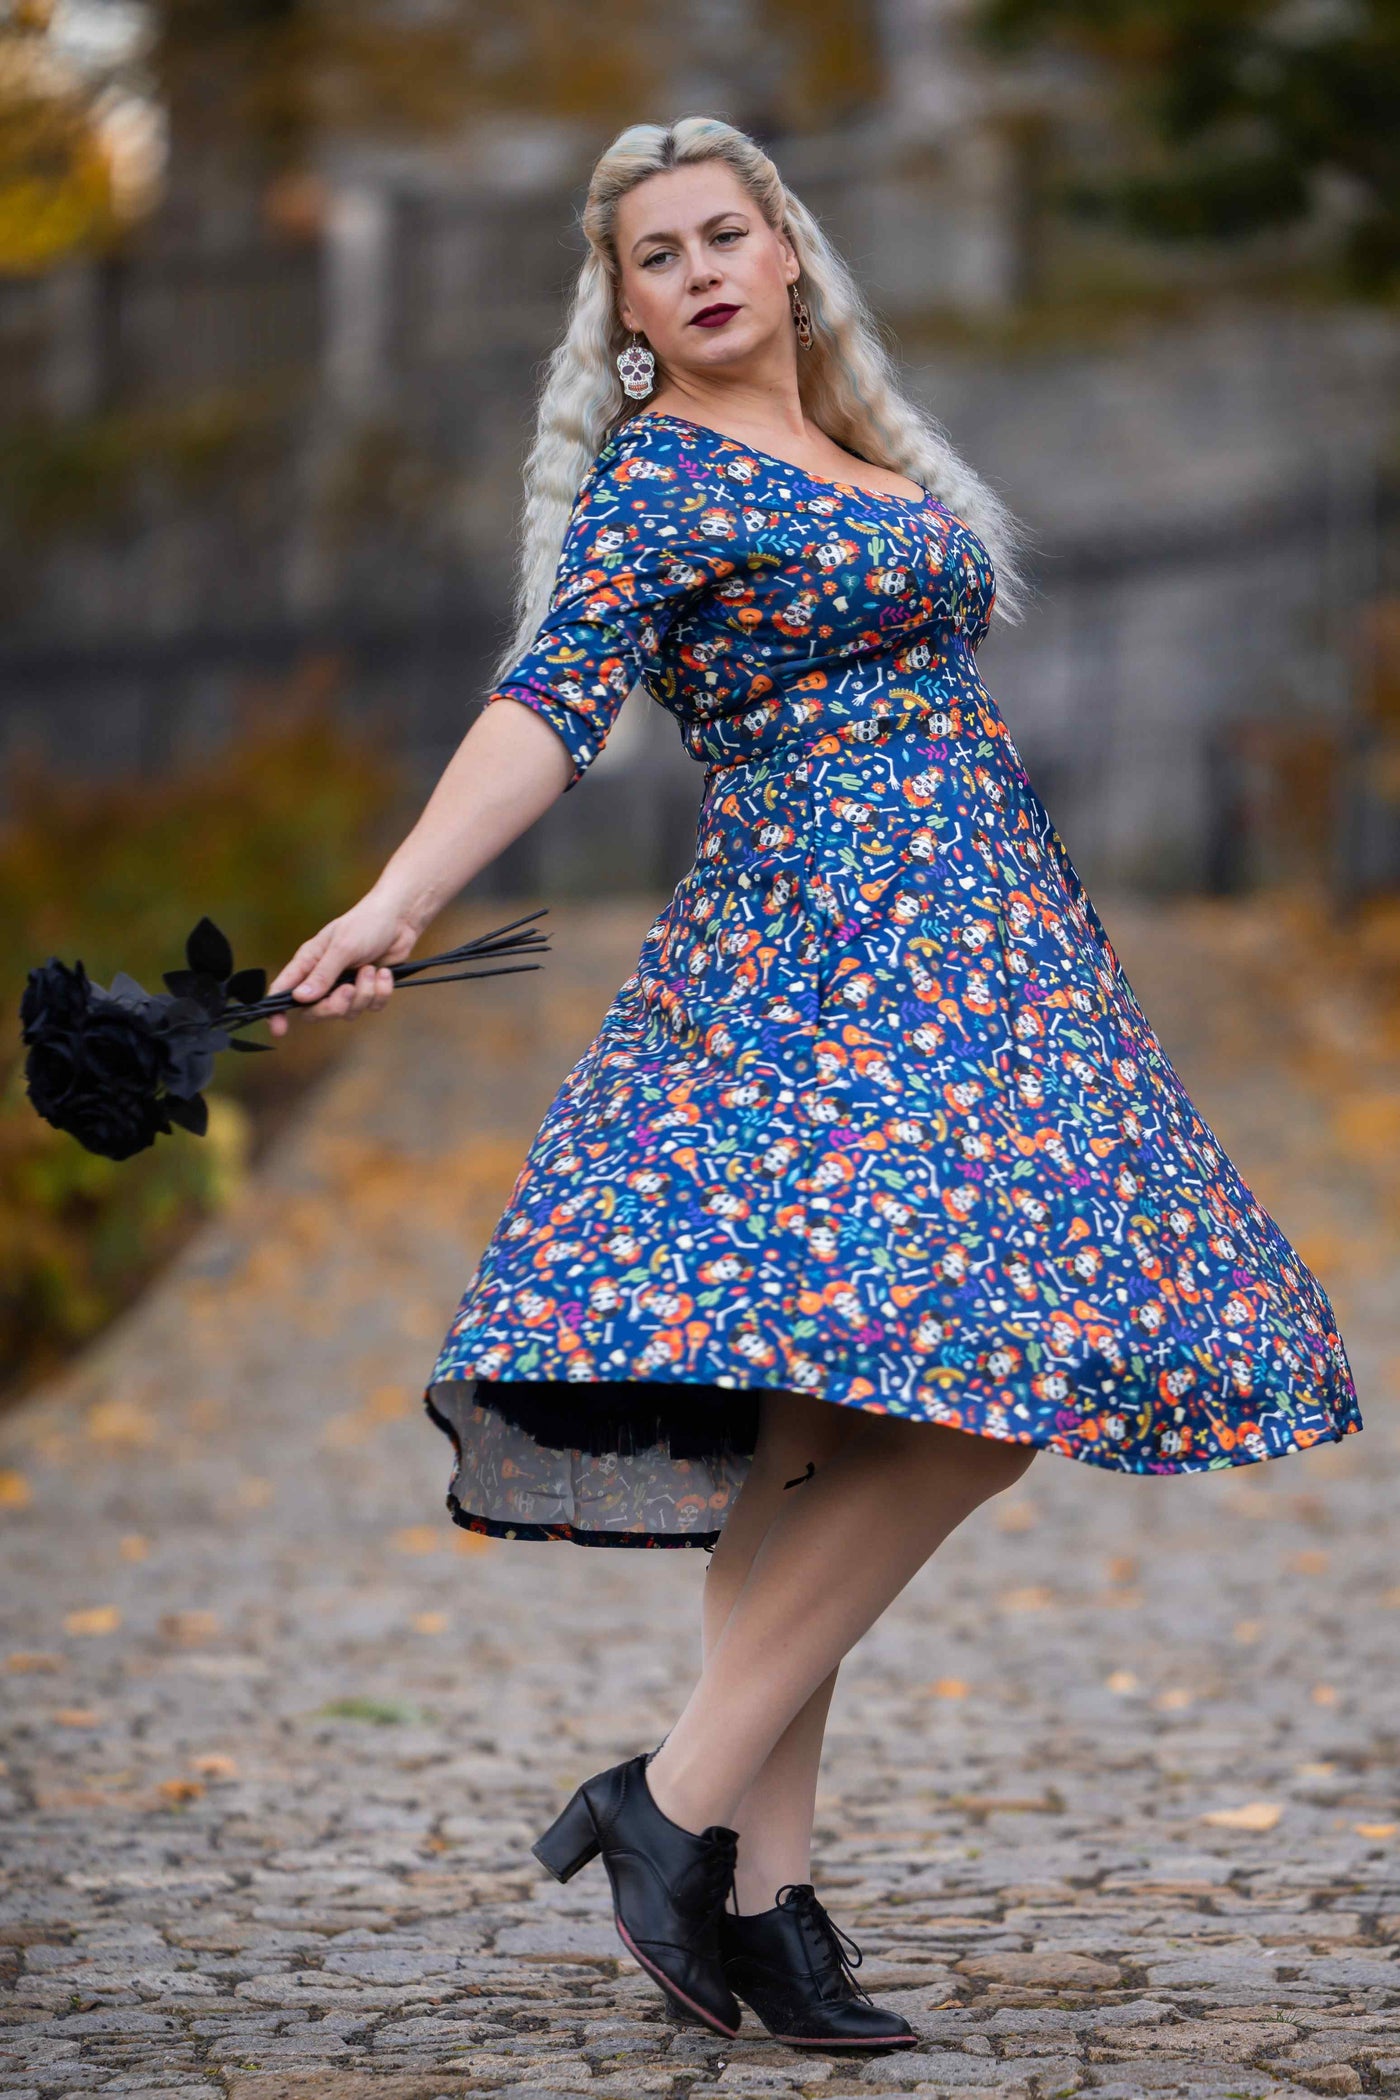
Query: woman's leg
x=774, y=1819
x=837, y=1552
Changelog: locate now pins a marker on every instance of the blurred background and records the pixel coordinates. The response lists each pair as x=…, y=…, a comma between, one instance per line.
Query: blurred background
x=277, y=281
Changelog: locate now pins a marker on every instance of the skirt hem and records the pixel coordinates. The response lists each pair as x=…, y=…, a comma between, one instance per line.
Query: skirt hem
x=1246, y=1452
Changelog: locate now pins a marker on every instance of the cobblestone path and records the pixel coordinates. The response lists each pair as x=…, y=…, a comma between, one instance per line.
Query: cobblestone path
x=1110, y=1796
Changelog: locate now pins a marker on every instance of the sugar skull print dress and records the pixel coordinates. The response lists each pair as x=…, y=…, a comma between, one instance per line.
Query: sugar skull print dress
x=877, y=1117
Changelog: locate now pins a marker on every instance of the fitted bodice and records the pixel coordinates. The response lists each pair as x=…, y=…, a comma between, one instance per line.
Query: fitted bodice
x=757, y=603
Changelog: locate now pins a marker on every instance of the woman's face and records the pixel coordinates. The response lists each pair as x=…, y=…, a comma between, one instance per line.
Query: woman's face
x=692, y=239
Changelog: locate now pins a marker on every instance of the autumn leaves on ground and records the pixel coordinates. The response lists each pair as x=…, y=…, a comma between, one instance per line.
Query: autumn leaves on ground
x=1110, y=1797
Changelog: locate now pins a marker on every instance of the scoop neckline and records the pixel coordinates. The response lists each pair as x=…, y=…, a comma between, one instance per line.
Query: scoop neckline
x=822, y=481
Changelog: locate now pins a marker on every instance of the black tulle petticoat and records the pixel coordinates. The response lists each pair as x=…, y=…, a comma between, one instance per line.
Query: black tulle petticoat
x=602, y=1462
x=627, y=1416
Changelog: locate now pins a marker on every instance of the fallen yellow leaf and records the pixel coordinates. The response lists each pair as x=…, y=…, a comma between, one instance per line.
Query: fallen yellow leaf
x=1122, y=1567
x=181, y=1789
x=1255, y=1815
x=214, y=1765
x=429, y=1622
x=1173, y=1699
x=465, y=1541
x=15, y=1491
x=133, y=1546
x=389, y=1403
x=30, y=1659
x=1311, y=1562
x=418, y=1538
x=949, y=1688
x=1029, y=1596
x=1376, y=1830
x=1122, y=1681
x=1325, y=1695
x=97, y=1618
x=1368, y=1123
x=77, y=1716
x=1316, y=1768
x=120, y=1421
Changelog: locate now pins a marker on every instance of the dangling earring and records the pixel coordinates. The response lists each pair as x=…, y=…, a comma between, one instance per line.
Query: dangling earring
x=802, y=320
x=637, y=367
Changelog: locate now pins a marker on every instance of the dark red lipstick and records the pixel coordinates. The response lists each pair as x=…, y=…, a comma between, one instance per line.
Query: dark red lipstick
x=712, y=316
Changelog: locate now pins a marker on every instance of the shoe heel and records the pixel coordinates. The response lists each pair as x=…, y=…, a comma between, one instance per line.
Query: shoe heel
x=570, y=1841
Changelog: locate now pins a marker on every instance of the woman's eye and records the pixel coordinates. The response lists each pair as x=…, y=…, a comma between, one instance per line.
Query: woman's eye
x=727, y=233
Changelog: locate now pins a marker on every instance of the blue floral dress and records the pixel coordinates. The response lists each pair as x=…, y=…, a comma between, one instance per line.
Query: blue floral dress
x=877, y=1117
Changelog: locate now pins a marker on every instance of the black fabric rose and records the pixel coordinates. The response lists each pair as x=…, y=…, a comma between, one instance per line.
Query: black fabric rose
x=115, y=1125
x=117, y=1066
x=53, y=996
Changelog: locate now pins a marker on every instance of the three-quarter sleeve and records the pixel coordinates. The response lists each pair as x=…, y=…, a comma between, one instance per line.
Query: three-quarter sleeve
x=632, y=558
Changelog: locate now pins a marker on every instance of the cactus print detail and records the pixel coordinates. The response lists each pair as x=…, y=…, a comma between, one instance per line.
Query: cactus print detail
x=877, y=1117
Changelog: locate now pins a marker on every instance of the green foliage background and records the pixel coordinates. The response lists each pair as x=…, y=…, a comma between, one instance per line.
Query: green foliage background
x=271, y=837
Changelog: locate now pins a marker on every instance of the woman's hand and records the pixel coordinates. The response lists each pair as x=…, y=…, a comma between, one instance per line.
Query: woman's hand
x=372, y=934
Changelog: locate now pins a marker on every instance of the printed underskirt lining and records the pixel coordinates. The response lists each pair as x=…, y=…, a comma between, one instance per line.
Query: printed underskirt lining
x=627, y=1416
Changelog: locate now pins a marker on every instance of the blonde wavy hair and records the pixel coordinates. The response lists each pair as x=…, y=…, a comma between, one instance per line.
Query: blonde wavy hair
x=847, y=380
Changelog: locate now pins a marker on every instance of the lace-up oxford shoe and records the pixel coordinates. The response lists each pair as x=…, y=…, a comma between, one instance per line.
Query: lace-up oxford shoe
x=669, y=1885
x=793, y=1965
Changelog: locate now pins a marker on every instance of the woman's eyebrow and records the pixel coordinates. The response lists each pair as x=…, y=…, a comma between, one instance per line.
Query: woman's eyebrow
x=713, y=220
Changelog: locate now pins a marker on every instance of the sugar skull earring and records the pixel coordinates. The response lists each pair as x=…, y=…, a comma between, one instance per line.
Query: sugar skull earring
x=637, y=368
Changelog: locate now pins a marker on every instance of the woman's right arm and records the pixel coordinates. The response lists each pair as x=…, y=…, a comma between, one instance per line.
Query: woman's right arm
x=629, y=563
x=507, y=770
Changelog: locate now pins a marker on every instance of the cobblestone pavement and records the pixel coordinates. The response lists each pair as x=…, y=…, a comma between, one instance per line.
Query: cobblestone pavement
x=1110, y=1796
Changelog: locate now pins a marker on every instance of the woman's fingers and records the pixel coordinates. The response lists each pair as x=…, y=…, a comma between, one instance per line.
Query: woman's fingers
x=308, y=955
x=319, y=979
x=339, y=951
x=368, y=992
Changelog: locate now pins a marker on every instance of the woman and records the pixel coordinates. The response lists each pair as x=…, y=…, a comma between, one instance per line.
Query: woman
x=875, y=1180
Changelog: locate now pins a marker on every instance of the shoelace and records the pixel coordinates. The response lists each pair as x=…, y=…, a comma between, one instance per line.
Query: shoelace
x=826, y=1934
x=720, y=1861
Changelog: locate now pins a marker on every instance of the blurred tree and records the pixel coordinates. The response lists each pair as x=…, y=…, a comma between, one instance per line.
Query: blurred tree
x=825, y=64
x=59, y=187
x=288, y=70
x=249, y=91
x=1255, y=110
x=268, y=79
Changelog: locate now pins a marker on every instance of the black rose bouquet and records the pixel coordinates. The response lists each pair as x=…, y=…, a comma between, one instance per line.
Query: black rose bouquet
x=116, y=1065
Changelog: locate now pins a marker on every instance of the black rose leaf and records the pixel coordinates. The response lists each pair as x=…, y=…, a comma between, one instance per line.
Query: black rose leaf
x=191, y=1114
x=208, y=953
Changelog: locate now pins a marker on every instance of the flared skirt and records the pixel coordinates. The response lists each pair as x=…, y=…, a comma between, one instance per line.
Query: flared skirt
x=877, y=1118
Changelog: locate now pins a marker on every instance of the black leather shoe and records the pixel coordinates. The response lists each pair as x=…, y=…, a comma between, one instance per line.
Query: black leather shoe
x=790, y=1965
x=669, y=1885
